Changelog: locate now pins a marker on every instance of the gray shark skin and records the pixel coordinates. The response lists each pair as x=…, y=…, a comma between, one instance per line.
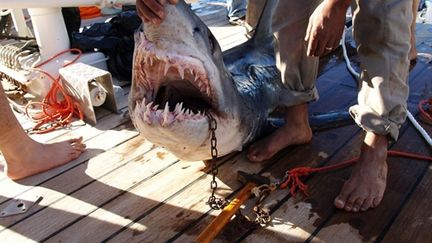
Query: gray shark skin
x=180, y=74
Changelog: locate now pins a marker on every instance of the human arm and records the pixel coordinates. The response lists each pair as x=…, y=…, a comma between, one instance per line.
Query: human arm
x=326, y=25
x=152, y=10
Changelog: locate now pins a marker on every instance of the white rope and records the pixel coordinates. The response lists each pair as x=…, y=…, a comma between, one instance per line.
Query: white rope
x=419, y=128
x=5, y=12
x=357, y=75
x=345, y=55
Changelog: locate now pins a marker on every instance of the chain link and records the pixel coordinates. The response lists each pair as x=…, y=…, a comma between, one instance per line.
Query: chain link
x=214, y=202
x=262, y=214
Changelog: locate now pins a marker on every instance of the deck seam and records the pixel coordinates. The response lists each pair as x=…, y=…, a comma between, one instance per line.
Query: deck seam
x=113, y=198
x=79, y=188
x=149, y=211
x=334, y=211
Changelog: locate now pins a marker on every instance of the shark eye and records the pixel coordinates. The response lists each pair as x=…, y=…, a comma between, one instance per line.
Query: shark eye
x=212, y=42
x=196, y=30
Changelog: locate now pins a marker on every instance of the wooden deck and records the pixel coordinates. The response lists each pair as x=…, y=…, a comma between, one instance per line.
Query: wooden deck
x=124, y=189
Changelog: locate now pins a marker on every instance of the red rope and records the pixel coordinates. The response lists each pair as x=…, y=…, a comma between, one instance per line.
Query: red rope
x=422, y=111
x=294, y=182
x=57, y=108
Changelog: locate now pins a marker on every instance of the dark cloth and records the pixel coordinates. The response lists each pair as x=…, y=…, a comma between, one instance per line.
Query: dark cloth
x=72, y=20
x=114, y=38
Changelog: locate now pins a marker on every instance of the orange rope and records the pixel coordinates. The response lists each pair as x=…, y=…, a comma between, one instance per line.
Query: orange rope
x=55, y=112
x=294, y=182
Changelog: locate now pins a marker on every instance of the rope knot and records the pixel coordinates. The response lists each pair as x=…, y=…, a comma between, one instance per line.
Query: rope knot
x=294, y=182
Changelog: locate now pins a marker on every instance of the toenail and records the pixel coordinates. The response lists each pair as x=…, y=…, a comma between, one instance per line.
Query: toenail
x=339, y=203
x=355, y=210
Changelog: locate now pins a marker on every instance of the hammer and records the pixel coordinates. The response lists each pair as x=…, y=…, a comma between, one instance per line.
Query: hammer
x=218, y=223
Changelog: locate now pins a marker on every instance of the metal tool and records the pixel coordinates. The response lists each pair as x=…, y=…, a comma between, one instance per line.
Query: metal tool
x=216, y=226
x=19, y=206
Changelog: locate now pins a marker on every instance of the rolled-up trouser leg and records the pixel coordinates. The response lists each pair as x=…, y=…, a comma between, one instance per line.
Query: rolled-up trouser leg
x=382, y=33
x=298, y=71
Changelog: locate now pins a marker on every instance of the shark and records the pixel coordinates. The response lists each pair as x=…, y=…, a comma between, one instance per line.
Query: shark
x=182, y=82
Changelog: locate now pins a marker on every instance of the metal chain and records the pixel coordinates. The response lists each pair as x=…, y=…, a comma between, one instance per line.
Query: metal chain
x=213, y=202
x=262, y=214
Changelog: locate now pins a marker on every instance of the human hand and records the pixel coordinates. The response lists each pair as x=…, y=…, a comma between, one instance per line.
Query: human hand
x=152, y=10
x=325, y=28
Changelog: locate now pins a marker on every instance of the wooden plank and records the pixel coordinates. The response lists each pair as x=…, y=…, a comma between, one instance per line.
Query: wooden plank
x=108, y=184
x=298, y=232
x=186, y=206
x=402, y=179
x=109, y=121
x=313, y=154
x=367, y=226
x=96, y=145
x=130, y=211
x=297, y=220
x=414, y=222
x=88, y=133
x=161, y=215
x=142, y=199
x=79, y=176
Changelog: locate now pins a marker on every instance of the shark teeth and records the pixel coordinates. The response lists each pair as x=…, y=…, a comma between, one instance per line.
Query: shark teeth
x=181, y=72
x=157, y=67
x=167, y=66
x=151, y=115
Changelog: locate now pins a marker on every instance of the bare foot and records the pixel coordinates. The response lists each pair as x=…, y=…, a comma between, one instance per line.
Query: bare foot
x=30, y=157
x=295, y=131
x=365, y=188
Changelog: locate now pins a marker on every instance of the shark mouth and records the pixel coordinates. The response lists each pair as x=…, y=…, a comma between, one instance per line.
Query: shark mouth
x=173, y=87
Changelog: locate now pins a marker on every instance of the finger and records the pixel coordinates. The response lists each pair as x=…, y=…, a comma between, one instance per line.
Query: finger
x=323, y=47
x=141, y=8
x=157, y=7
x=147, y=14
x=308, y=30
x=312, y=43
x=334, y=43
x=173, y=1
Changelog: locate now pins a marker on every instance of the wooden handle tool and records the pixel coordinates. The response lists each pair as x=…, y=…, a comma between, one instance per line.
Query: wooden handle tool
x=224, y=217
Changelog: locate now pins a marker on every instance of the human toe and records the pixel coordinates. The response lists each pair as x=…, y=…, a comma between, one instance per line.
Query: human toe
x=340, y=200
x=376, y=201
x=358, y=204
x=367, y=203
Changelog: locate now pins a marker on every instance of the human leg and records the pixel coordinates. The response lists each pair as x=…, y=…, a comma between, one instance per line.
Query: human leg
x=382, y=33
x=23, y=155
x=413, y=50
x=236, y=9
x=298, y=75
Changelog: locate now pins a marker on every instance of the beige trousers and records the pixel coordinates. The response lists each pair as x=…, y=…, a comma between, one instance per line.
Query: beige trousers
x=382, y=33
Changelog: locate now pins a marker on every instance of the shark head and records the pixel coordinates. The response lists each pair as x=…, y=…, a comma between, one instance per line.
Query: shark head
x=179, y=80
